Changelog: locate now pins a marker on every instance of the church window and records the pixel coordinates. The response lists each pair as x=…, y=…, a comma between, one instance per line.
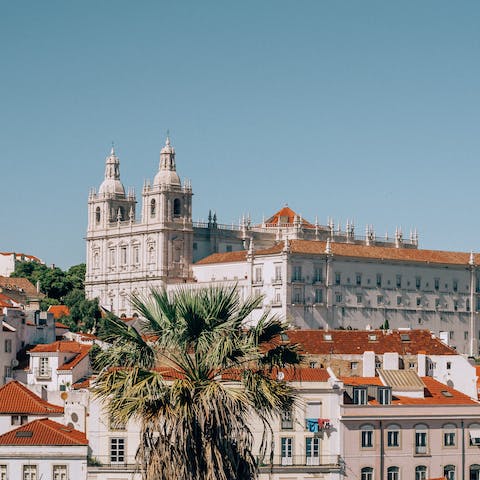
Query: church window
x=97, y=215
x=96, y=260
x=153, y=207
x=112, y=257
x=151, y=254
x=136, y=255
x=123, y=255
x=176, y=208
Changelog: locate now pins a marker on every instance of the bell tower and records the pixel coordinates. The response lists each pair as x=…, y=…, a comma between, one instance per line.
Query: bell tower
x=167, y=210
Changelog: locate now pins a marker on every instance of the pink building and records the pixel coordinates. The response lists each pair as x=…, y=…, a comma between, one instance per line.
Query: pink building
x=399, y=426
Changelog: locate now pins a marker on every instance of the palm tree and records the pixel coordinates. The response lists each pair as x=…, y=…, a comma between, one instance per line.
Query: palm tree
x=194, y=377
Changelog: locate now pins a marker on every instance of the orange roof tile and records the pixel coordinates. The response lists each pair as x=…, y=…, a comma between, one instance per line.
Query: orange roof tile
x=59, y=311
x=61, y=325
x=348, y=342
x=287, y=216
x=19, y=283
x=16, y=398
x=44, y=432
x=314, y=247
x=361, y=381
x=65, y=346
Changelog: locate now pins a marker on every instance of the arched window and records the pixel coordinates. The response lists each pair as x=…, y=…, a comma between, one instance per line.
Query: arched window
x=421, y=432
x=449, y=472
x=366, y=436
x=366, y=473
x=177, y=208
x=393, y=435
x=393, y=473
x=475, y=472
x=421, y=472
x=449, y=434
x=97, y=214
x=474, y=434
x=153, y=207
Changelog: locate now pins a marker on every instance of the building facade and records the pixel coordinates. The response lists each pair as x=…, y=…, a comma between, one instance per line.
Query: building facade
x=315, y=276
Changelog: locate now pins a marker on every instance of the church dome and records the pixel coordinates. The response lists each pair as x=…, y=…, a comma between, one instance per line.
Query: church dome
x=112, y=183
x=167, y=174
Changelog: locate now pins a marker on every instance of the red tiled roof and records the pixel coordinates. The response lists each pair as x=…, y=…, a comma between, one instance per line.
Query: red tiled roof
x=347, y=342
x=82, y=384
x=287, y=215
x=315, y=247
x=6, y=301
x=16, y=398
x=25, y=255
x=19, y=283
x=361, y=381
x=65, y=346
x=44, y=432
x=61, y=325
x=59, y=311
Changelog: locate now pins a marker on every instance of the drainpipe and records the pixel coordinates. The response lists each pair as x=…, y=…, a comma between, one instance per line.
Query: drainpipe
x=463, y=450
x=382, y=452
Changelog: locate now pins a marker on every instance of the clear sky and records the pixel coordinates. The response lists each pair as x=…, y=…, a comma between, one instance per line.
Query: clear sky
x=368, y=110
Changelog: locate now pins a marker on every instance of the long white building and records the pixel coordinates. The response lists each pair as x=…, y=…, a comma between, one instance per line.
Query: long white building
x=314, y=275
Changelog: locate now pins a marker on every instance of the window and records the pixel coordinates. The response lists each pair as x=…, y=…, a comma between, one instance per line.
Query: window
x=111, y=257
x=449, y=472
x=465, y=335
x=117, y=450
x=366, y=436
x=474, y=472
x=287, y=420
x=123, y=255
x=297, y=273
x=418, y=282
x=474, y=433
x=177, y=207
x=455, y=305
x=297, y=295
x=359, y=394
x=29, y=472
x=437, y=283
x=312, y=451
x=384, y=396
x=366, y=473
x=278, y=273
x=359, y=299
x=8, y=345
x=358, y=279
x=318, y=295
x=398, y=280
x=353, y=365
x=449, y=365
x=421, y=439
x=338, y=278
x=277, y=298
x=286, y=452
x=59, y=472
x=379, y=299
x=317, y=274
x=136, y=255
x=421, y=472
x=19, y=419
x=455, y=286
x=399, y=300
x=449, y=431
x=419, y=301
x=393, y=473
x=258, y=275
x=338, y=297
x=3, y=472
x=97, y=215
x=467, y=305
x=153, y=207
x=43, y=370
x=451, y=334
x=393, y=436
x=379, y=279
x=313, y=412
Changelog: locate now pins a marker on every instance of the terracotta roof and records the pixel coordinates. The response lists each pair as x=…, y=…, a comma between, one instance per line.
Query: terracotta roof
x=316, y=247
x=286, y=215
x=44, y=432
x=435, y=393
x=6, y=301
x=347, y=342
x=19, y=283
x=65, y=346
x=85, y=383
x=61, y=325
x=16, y=398
x=59, y=311
x=25, y=255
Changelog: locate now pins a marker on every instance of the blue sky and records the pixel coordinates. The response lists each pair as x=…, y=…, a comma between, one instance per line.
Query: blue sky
x=366, y=110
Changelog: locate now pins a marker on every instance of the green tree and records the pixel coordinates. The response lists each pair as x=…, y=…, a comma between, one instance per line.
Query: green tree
x=193, y=376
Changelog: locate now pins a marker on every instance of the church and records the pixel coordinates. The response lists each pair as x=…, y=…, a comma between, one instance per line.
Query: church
x=315, y=276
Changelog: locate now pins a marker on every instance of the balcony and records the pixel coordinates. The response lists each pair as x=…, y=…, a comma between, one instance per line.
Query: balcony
x=302, y=464
x=42, y=373
x=298, y=280
x=420, y=450
x=277, y=281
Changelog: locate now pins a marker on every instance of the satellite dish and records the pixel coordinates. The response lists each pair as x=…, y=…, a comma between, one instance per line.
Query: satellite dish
x=14, y=362
x=280, y=376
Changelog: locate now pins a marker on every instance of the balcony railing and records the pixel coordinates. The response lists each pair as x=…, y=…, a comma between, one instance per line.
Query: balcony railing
x=420, y=449
x=325, y=461
x=276, y=280
x=43, y=373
